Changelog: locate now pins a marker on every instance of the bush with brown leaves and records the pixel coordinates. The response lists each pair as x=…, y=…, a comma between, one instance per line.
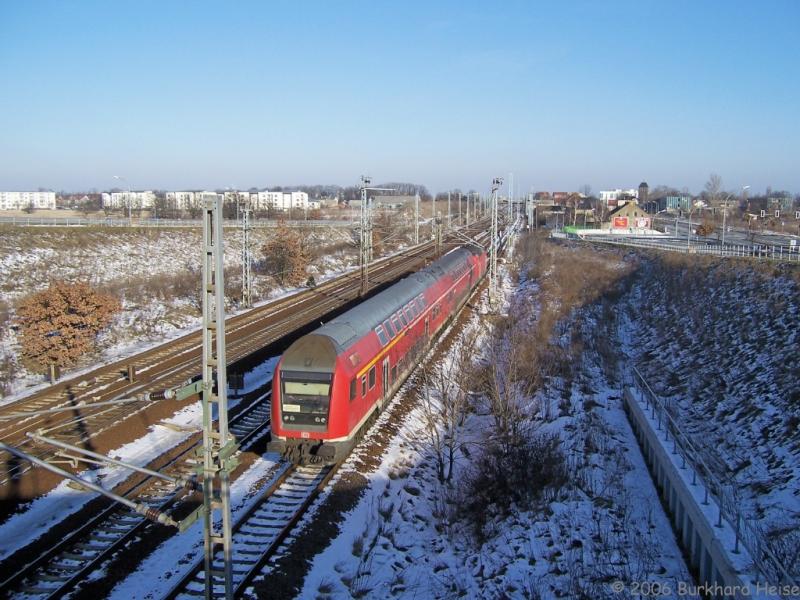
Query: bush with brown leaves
x=286, y=256
x=60, y=324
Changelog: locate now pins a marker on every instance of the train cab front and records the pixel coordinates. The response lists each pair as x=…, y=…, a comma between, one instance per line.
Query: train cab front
x=302, y=394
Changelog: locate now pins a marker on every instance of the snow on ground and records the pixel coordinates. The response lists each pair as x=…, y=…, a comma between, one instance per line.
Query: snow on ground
x=719, y=341
x=39, y=515
x=171, y=560
x=155, y=272
x=407, y=538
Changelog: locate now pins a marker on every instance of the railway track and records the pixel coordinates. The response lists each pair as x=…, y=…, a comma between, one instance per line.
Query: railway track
x=70, y=561
x=93, y=544
x=171, y=364
x=260, y=531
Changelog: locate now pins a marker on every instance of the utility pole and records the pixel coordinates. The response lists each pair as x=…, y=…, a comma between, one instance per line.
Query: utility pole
x=219, y=445
x=247, y=282
x=438, y=224
x=369, y=230
x=416, y=219
x=459, y=209
x=448, y=210
x=496, y=183
x=365, y=237
x=363, y=259
x=510, y=197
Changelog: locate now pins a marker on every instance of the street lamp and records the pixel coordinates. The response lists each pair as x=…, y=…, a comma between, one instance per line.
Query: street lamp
x=692, y=207
x=725, y=211
x=118, y=178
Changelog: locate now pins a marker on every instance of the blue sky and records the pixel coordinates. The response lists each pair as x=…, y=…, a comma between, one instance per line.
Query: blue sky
x=449, y=94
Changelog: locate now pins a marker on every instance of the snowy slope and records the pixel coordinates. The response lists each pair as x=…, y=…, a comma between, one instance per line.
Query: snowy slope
x=720, y=340
x=407, y=538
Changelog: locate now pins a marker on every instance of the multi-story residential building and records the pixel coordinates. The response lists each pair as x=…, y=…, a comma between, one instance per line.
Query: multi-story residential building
x=144, y=199
x=182, y=200
x=24, y=200
x=283, y=201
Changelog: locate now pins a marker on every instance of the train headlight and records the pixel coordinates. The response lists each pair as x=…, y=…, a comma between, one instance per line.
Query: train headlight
x=316, y=419
x=322, y=420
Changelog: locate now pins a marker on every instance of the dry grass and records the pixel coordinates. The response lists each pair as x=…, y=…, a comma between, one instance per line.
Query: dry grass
x=567, y=277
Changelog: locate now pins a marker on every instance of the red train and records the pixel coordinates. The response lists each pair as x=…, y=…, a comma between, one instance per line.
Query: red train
x=330, y=382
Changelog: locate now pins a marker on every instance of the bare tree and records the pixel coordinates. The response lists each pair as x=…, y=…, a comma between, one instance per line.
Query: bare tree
x=713, y=188
x=445, y=401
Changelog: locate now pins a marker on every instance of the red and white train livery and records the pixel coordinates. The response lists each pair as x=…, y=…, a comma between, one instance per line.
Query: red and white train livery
x=328, y=383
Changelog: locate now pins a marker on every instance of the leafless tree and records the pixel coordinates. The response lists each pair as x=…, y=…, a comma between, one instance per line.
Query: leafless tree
x=445, y=402
x=713, y=188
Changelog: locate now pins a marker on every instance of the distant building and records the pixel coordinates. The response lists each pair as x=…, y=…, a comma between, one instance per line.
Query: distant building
x=560, y=197
x=183, y=200
x=394, y=202
x=612, y=198
x=781, y=202
x=680, y=202
x=282, y=201
x=628, y=216
x=131, y=199
x=644, y=192
x=23, y=200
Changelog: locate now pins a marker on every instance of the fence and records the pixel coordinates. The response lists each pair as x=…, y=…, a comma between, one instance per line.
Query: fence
x=757, y=251
x=747, y=531
x=167, y=223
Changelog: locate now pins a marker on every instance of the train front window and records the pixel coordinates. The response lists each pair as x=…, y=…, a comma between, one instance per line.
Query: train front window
x=305, y=402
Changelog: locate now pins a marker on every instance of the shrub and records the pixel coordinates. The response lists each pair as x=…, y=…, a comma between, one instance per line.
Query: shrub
x=286, y=256
x=519, y=474
x=60, y=324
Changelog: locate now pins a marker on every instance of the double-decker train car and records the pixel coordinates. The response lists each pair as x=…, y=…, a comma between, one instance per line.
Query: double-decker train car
x=330, y=382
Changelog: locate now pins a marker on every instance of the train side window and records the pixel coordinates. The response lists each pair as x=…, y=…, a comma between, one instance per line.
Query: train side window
x=363, y=386
x=402, y=318
x=389, y=328
x=381, y=335
x=409, y=314
x=414, y=308
x=372, y=372
x=353, y=388
x=397, y=324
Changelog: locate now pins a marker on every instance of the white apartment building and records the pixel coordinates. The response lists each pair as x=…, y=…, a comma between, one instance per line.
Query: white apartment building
x=279, y=200
x=182, y=200
x=23, y=200
x=144, y=199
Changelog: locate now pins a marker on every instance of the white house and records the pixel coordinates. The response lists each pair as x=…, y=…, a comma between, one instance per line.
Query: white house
x=23, y=200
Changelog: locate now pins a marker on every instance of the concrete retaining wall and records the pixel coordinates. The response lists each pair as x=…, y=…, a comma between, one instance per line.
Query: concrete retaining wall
x=708, y=542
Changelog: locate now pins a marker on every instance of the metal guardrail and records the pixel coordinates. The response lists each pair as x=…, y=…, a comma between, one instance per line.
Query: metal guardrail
x=170, y=223
x=747, y=531
x=762, y=252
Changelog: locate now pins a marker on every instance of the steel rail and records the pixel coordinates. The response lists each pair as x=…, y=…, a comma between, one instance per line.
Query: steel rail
x=47, y=557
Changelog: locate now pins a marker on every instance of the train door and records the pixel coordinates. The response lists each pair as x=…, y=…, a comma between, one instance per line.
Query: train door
x=385, y=378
